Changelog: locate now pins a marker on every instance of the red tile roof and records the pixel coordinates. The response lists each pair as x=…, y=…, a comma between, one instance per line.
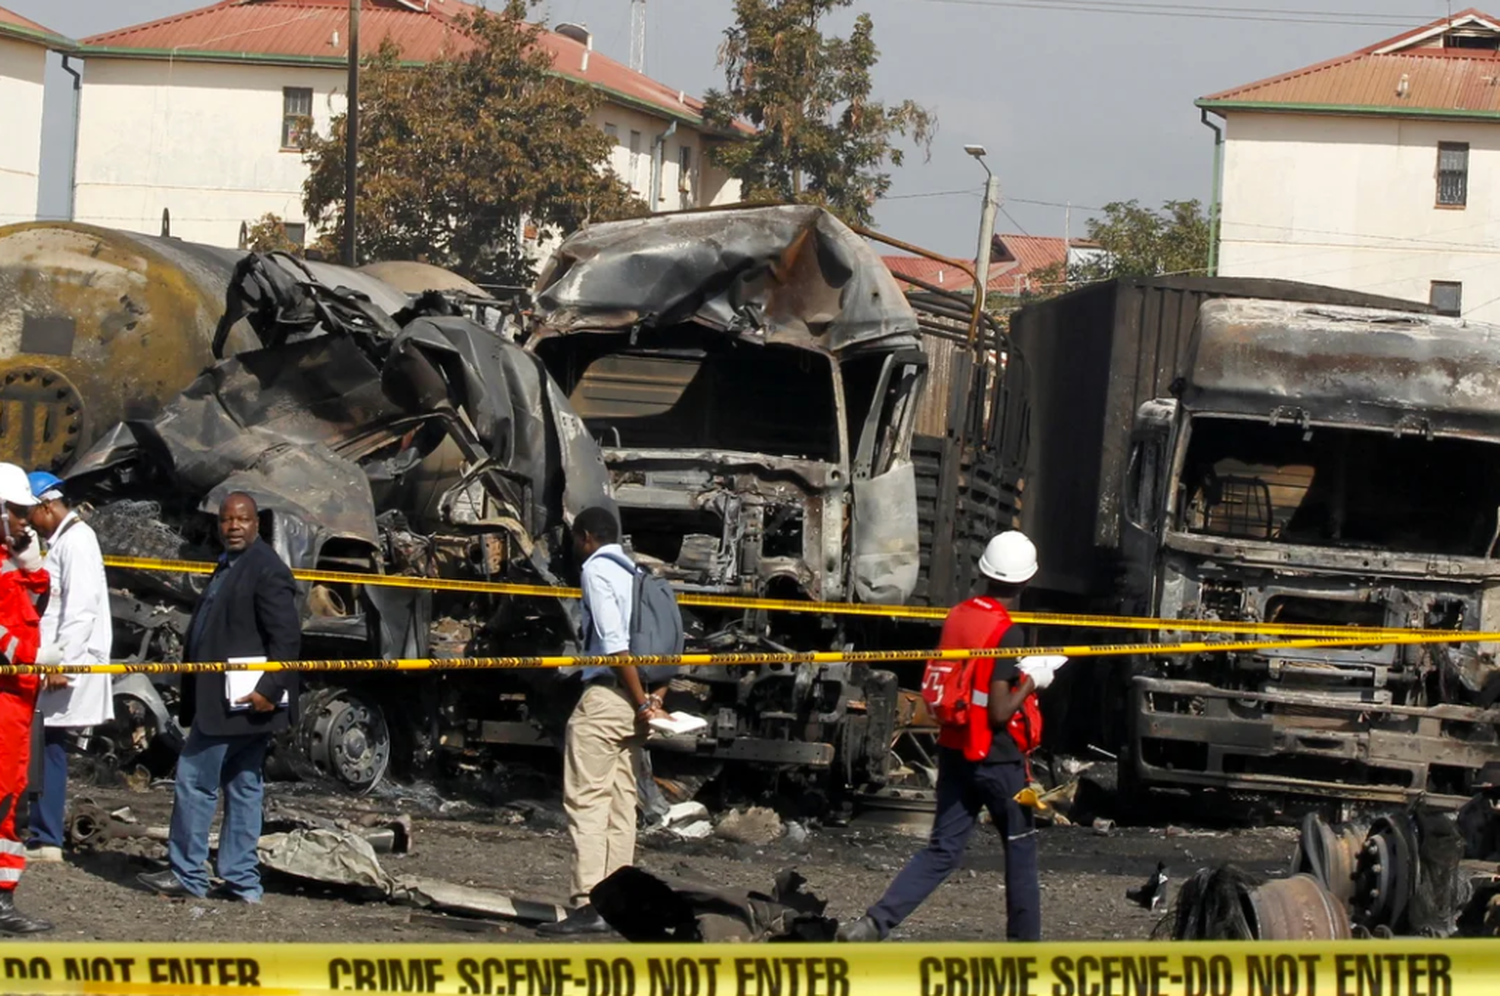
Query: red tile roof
x=1411, y=72
x=1016, y=265
x=13, y=25
x=316, y=31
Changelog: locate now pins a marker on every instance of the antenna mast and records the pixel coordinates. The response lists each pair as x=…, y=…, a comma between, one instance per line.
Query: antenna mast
x=638, y=35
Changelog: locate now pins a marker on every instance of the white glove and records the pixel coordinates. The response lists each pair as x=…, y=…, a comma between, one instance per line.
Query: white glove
x=49, y=653
x=1041, y=670
x=30, y=559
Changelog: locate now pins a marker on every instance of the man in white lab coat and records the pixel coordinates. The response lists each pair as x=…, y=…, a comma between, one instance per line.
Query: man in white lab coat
x=76, y=629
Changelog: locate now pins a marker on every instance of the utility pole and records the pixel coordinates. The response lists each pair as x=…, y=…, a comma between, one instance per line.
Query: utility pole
x=638, y=35
x=986, y=223
x=351, y=137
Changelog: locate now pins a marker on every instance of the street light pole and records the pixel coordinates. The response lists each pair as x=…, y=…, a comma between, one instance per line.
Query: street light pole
x=351, y=136
x=986, y=223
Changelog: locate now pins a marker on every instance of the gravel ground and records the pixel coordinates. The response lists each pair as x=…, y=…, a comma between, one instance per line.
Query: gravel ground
x=93, y=895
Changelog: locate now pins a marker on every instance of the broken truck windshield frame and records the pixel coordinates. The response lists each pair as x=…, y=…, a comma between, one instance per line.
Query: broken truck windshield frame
x=695, y=389
x=1334, y=486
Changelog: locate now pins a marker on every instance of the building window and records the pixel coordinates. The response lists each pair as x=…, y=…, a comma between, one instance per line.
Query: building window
x=296, y=116
x=1447, y=296
x=684, y=168
x=1453, y=174
x=612, y=132
x=296, y=232
x=635, y=161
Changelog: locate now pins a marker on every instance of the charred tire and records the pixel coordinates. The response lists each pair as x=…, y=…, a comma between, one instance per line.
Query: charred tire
x=344, y=736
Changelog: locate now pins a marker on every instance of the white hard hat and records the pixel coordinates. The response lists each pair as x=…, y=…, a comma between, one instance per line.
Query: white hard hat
x=15, y=489
x=1009, y=558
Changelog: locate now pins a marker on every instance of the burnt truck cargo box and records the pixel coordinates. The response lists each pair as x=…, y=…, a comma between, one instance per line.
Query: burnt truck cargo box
x=1080, y=366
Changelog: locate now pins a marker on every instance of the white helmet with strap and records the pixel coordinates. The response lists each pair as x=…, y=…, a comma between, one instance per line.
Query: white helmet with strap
x=1009, y=558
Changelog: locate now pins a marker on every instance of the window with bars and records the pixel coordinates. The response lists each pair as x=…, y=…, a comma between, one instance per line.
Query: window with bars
x=1453, y=174
x=296, y=116
x=1447, y=296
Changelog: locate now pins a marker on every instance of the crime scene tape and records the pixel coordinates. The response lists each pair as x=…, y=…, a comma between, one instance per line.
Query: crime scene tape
x=752, y=658
x=914, y=612
x=1400, y=967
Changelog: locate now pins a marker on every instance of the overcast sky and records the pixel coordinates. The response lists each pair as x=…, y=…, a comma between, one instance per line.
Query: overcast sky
x=1075, y=105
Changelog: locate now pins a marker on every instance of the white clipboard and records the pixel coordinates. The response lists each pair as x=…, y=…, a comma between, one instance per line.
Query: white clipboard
x=238, y=684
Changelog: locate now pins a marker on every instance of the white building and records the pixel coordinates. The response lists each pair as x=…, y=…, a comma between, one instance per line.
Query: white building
x=23, y=58
x=1378, y=171
x=199, y=115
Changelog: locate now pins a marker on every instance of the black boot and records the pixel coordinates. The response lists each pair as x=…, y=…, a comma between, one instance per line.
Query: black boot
x=13, y=921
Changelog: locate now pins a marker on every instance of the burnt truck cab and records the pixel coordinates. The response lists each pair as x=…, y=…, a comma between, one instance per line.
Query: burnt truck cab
x=752, y=378
x=1328, y=466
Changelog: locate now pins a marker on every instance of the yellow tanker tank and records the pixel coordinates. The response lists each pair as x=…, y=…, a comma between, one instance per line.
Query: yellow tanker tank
x=97, y=326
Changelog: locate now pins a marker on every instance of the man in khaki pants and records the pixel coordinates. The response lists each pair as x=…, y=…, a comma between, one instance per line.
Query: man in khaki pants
x=607, y=728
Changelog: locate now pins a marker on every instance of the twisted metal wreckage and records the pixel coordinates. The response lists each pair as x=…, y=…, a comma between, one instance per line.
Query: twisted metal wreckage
x=743, y=386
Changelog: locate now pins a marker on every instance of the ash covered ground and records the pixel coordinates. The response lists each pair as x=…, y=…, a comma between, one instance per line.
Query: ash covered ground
x=521, y=850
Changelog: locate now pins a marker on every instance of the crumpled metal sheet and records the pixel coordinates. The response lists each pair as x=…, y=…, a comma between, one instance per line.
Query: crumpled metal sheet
x=647, y=908
x=269, y=421
x=887, y=552
x=516, y=408
x=791, y=274
x=334, y=857
x=344, y=858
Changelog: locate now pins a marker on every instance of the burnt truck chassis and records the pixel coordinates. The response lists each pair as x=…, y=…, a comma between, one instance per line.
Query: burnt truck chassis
x=830, y=728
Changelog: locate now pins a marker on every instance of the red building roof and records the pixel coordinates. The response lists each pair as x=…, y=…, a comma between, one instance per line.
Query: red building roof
x=301, y=32
x=13, y=25
x=1431, y=71
x=1017, y=263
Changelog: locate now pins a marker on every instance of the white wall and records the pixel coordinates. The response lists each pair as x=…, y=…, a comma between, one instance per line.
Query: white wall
x=200, y=139
x=21, y=68
x=204, y=141
x=1352, y=202
x=704, y=185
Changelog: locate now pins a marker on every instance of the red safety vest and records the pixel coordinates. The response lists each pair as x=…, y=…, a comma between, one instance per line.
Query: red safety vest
x=979, y=622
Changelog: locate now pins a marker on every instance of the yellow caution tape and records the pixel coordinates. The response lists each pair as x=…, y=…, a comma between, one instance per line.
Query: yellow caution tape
x=751, y=658
x=915, y=612
x=1401, y=967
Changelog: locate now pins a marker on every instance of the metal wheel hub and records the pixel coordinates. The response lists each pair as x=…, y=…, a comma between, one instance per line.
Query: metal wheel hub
x=345, y=738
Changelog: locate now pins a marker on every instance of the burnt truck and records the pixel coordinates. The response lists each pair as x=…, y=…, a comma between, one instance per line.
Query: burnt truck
x=1263, y=451
x=744, y=386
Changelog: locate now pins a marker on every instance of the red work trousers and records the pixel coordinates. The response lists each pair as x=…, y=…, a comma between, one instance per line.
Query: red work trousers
x=17, y=706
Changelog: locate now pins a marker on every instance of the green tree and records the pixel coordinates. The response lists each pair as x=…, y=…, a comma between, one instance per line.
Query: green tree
x=456, y=155
x=1139, y=242
x=821, y=137
x=269, y=235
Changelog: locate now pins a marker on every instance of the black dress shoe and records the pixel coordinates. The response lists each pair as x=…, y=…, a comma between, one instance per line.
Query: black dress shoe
x=580, y=922
x=13, y=921
x=166, y=883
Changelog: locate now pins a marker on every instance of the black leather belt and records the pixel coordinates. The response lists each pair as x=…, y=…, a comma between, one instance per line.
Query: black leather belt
x=608, y=680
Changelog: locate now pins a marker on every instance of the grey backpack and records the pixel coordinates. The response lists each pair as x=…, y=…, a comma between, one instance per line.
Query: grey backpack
x=655, y=622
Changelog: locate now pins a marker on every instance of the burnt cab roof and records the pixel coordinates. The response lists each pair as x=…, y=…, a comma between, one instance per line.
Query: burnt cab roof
x=1393, y=369
x=790, y=274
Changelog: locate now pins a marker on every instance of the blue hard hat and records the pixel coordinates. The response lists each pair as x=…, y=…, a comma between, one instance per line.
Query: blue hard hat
x=42, y=481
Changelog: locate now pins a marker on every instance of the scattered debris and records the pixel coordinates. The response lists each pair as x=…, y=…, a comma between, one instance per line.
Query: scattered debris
x=647, y=908
x=1230, y=904
x=1103, y=827
x=343, y=858
x=1152, y=895
x=756, y=825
